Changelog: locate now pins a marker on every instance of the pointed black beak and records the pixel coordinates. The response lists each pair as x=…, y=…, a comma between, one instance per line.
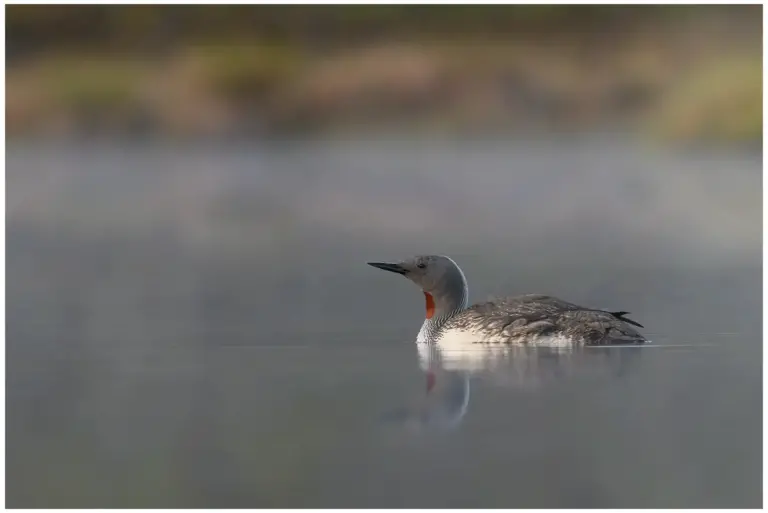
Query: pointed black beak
x=388, y=267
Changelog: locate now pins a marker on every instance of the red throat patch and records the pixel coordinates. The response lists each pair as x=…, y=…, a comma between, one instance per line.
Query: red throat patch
x=430, y=305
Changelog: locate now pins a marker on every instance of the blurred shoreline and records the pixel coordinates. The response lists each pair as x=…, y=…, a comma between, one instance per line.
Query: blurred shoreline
x=669, y=75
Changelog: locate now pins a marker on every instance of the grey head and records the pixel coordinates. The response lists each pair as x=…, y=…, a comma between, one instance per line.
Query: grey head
x=436, y=275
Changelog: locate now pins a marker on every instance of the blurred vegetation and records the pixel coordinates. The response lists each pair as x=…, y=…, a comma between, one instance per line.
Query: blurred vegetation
x=686, y=72
x=90, y=84
x=246, y=71
x=721, y=101
x=32, y=28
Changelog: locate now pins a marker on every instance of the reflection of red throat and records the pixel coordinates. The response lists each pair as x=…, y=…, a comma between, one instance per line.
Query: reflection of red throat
x=430, y=380
x=430, y=305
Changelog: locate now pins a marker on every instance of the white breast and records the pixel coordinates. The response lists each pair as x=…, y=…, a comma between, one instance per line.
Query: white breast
x=473, y=351
x=462, y=338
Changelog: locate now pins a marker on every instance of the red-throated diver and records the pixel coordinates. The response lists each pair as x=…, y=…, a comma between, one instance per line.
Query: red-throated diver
x=528, y=320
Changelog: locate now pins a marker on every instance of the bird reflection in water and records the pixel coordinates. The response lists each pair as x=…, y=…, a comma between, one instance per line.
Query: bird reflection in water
x=441, y=404
x=444, y=401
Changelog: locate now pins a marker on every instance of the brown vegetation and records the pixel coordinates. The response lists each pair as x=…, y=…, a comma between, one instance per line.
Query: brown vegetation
x=586, y=71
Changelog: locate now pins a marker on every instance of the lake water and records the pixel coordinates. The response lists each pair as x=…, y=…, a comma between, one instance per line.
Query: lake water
x=195, y=326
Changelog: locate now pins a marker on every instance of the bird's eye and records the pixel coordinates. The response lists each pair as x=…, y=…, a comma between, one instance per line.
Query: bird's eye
x=421, y=265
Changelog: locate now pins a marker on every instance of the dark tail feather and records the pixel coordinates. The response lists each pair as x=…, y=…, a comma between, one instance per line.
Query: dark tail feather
x=620, y=316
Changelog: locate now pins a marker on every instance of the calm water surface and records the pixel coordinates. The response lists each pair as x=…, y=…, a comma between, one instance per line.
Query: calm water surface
x=196, y=326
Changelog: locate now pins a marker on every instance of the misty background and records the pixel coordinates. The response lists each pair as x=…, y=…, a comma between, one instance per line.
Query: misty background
x=193, y=193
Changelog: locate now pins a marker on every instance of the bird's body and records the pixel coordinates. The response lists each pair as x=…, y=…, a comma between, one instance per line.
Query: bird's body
x=535, y=319
x=527, y=320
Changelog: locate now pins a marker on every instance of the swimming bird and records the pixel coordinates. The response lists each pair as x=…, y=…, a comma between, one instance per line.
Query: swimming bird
x=527, y=320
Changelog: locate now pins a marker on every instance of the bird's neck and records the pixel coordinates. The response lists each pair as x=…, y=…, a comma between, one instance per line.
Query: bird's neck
x=440, y=308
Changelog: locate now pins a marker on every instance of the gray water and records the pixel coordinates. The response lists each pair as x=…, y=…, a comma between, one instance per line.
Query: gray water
x=195, y=325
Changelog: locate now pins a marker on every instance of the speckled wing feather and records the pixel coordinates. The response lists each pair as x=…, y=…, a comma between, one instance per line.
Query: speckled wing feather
x=519, y=319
